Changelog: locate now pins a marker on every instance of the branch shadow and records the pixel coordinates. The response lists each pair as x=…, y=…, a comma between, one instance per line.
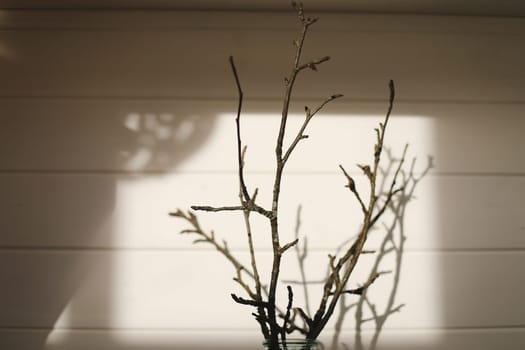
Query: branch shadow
x=392, y=243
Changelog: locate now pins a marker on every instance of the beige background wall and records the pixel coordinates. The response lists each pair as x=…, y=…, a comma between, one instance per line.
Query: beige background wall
x=109, y=120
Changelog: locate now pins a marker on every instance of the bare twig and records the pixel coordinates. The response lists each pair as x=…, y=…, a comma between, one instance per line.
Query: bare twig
x=287, y=315
x=222, y=248
x=351, y=186
x=360, y=290
x=289, y=245
x=309, y=115
x=246, y=206
x=398, y=209
x=248, y=302
x=392, y=191
x=280, y=163
x=261, y=316
x=335, y=283
x=240, y=152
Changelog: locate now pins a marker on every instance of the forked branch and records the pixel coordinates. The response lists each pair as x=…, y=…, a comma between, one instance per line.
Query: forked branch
x=335, y=284
x=263, y=296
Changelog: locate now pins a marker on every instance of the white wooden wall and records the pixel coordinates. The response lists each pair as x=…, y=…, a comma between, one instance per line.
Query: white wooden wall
x=109, y=120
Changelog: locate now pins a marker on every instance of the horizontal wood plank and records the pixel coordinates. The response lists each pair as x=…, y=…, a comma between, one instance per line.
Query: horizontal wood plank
x=167, y=136
x=446, y=63
x=175, y=20
x=83, y=211
x=111, y=119
x=191, y=290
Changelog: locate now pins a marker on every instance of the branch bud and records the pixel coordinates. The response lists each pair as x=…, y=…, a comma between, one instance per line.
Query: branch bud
x=351, y=184
x=312, y=66
x=366, y=170
x=307, y=111
x=179, y=213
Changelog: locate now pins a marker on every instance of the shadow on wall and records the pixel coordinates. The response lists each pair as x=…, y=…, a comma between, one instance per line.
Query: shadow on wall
x=66, y=183
x=359, y=320
x=61, y=162
x=366, y=311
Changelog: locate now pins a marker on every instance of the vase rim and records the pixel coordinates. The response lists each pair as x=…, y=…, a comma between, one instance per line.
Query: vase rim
x=294, y=340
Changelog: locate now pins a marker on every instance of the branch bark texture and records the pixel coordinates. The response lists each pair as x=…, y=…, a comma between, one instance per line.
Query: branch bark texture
x=274, y=322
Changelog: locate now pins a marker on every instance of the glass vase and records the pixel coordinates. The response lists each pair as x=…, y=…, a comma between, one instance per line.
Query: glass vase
x=294, y=344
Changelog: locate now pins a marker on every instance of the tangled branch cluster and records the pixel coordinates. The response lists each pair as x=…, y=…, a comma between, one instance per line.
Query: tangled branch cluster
x=275, y=323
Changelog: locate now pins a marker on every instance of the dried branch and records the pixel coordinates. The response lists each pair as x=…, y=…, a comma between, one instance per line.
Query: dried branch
x=280, y=163
x=304, y=316
x=249, y=302
x=398, y=209
x=334, y=285
x=247, y=206
x=292, y=325
x=222, y=248
x=287, y=315
x=360, y=290
x=339, y=268
x=309, y=115
x=289, y=245
x=351, y=186
x=261, y=317
x=392, y=190
x=240, y=150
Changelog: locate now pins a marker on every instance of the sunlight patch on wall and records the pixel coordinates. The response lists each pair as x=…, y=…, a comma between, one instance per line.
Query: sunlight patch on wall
x=57, y=336
x=158, y=286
